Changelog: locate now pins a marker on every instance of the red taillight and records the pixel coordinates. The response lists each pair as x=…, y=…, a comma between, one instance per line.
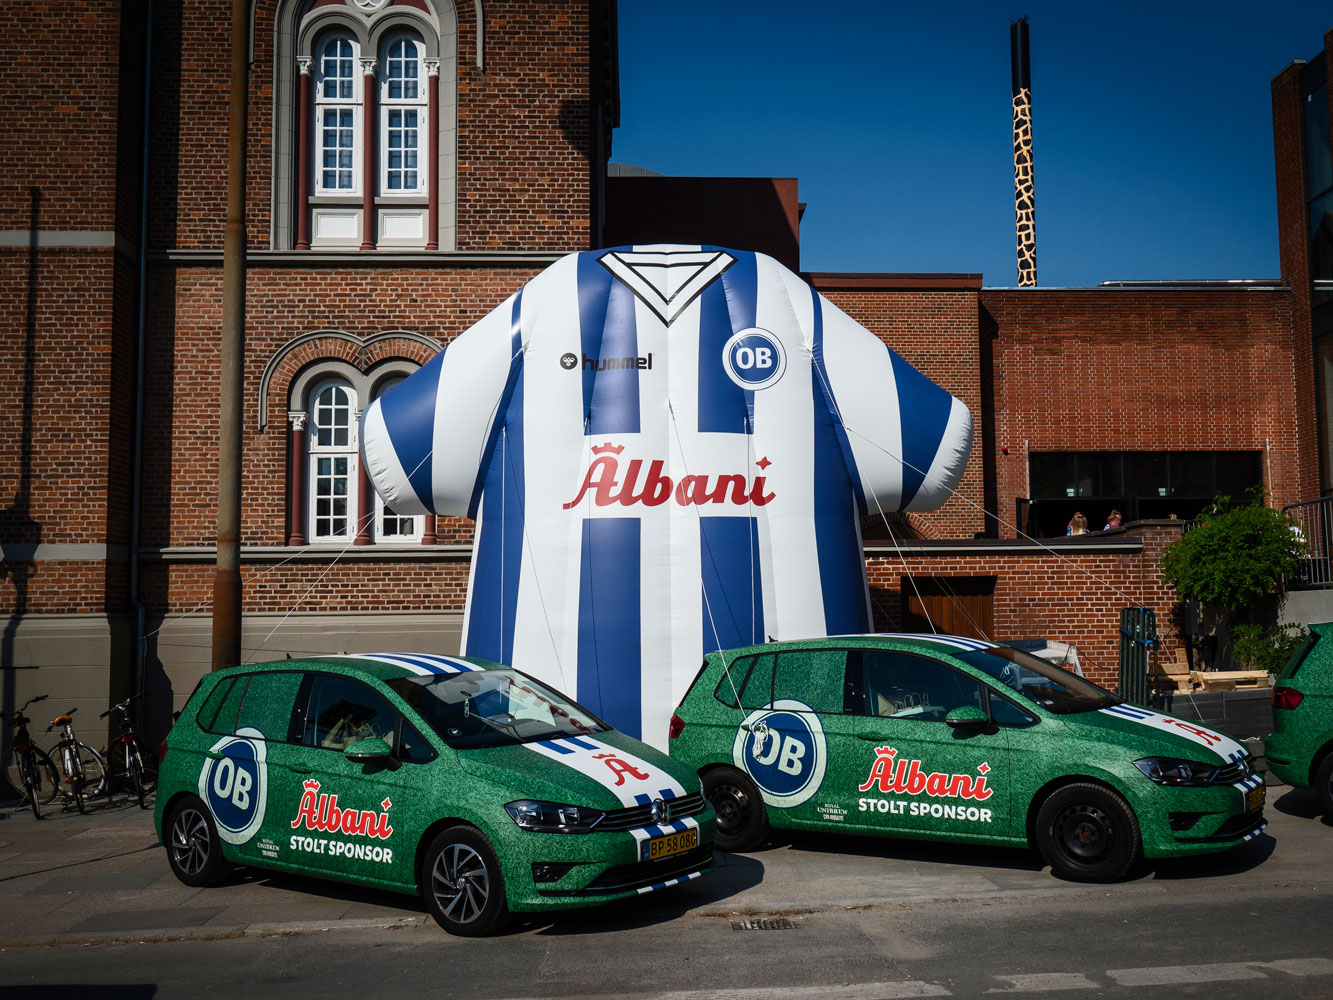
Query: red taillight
x=162, y=755
x=677, y=726
x=1287, y=698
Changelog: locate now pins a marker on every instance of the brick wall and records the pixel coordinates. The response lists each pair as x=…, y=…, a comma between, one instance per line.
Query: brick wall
x=180, y=483
x=1060, y=594
x=524, y=130
x=1147, y=370
x=936, y=331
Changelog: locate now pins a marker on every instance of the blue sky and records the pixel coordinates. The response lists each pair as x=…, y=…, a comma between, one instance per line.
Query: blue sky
x=1152, y=125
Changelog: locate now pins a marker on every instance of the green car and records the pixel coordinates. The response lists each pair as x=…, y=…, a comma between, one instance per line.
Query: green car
x=471, y=784
x=946, y=738
x=1300, y=751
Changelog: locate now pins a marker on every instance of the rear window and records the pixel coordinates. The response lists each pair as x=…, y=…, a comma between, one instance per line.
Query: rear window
x=1294, y=664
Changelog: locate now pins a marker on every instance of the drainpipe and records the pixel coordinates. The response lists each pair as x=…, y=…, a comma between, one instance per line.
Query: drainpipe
x=136, y=488
x=226, y=646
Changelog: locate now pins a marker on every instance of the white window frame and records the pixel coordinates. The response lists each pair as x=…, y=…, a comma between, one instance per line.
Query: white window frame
x=317, y=452
x=418, y=520
x=323, y=104
x=418, y=104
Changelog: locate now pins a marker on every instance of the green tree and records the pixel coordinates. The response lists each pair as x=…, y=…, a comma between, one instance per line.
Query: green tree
x=1233, y=558
x=1235, y=555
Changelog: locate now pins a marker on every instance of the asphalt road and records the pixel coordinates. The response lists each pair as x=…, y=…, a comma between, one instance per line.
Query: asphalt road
x=832, y=919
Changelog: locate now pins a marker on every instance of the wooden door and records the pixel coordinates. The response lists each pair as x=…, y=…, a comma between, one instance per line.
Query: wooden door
x=955, y=605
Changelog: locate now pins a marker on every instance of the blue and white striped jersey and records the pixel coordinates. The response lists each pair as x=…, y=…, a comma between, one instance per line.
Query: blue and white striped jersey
x=667, y=450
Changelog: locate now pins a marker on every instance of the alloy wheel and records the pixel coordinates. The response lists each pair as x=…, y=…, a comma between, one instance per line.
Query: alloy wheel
x=190, y=842
x=461, y=883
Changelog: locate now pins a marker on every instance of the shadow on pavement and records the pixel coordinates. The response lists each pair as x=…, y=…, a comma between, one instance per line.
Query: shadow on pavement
x=928, y=852
x=1241, y=859
x=1301, y=802
x=108, y=991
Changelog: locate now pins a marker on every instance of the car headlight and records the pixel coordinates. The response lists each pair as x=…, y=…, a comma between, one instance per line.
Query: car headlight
x=553, y=817
x=1171, y=771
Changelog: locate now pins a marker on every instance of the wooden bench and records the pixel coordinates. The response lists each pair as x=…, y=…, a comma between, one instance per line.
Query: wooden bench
x=1229, y=680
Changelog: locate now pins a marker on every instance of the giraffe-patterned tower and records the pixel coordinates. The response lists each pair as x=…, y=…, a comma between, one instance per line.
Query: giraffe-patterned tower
x=1025, y=197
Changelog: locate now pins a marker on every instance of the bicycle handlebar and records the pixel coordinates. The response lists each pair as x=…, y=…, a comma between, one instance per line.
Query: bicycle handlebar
x=120, y=707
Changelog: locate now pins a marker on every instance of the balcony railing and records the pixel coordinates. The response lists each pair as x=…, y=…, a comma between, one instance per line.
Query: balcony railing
x=1314, y=530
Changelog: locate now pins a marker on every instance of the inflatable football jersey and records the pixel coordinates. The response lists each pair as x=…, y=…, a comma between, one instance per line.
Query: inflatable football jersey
x=667, y=450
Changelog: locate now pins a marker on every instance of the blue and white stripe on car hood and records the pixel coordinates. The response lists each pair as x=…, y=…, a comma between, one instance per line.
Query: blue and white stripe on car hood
x=1224, y=746
x=418, y=663
x=632, y=780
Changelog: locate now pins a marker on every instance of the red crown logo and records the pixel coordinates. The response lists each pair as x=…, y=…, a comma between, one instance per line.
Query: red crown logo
x=599, y=449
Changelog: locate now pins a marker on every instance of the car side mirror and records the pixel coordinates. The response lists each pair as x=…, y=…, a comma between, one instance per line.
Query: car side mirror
x=967, y=717
x=367, y=751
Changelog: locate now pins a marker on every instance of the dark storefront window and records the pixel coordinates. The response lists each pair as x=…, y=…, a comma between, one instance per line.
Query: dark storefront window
x=1139, y=484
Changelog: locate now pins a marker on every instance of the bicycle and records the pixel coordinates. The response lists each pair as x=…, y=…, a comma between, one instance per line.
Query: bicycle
x=30, y=768
x=82, y=768
x=127, y=760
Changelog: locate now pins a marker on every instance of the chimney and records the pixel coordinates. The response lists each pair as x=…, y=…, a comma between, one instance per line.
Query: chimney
x=1025, y=196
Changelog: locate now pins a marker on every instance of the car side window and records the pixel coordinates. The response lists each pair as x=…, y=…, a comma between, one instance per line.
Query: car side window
x=267, y=706
x=753, y=680
x=413, y=747
x=341, y=710
x=228, y=709
x=1006, y=713
x=813, y=676
x=901, y=685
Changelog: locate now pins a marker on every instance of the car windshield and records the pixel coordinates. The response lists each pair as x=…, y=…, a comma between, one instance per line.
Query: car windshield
x=1040, y=681
x=491, y=708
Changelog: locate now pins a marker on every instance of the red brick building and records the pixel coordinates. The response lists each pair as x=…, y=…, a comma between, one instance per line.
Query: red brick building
x=410, y=164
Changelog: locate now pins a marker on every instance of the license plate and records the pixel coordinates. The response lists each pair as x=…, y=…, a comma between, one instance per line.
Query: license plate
x=1254, y=798
x=672, y=843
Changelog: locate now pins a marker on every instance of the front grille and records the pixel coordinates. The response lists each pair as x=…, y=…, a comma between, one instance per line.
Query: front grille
x=637, y=817
x=1233, y=773
x=622, y=878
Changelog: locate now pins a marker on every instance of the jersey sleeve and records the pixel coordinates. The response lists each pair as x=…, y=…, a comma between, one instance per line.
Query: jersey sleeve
x=424, y=440
x=908, y=438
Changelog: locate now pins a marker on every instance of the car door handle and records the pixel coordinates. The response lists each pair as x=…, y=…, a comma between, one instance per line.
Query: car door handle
x=871, y=739
x=297, y=769
x=214, y=755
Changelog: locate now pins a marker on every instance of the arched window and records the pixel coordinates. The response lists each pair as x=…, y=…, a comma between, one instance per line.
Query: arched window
x=332, y=514
x=365, y=125
x=336, y=112
x=329, y=493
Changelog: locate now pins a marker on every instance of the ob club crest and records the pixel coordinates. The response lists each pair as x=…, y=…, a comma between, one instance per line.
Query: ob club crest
x=782, y=748
x=754, y=358
x=234, y=783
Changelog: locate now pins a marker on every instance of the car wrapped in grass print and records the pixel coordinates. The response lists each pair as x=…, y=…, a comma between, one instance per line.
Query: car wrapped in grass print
x=481, y=789
x=946, y=738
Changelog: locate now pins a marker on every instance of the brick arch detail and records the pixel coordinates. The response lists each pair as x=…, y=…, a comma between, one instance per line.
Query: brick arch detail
x=362, y=353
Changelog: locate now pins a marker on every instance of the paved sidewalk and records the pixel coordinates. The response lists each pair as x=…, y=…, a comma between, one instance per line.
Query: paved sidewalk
x=101, y=878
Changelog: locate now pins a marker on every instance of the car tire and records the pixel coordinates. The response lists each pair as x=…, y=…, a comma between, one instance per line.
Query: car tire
x=194, y=850
x=1088, y=833
x=742, y=821
x=462, y=885
x=1323, y=785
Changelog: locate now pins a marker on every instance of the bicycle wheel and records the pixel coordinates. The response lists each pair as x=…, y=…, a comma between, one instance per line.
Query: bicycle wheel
x=93, y=766
x=148, y=761
x=134, y=773
x=47, y=776
x=45, y=773
x=27, y=766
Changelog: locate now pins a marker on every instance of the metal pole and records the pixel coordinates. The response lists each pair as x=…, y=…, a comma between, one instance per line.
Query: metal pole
x=227, y=580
